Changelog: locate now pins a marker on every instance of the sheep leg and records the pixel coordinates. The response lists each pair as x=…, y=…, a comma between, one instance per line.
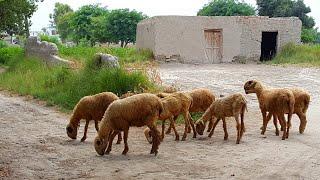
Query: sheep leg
x=192, y=125
x=303, y=122
x=162, y=130
x=224, y=128
x=119, y=138
x=155, y=139
x=265, y=121
x=238, y=128
x=243, y=129
x=186, y=122
x=174, y=128
x=169, y=129
x=275, y=122
x=96, y=125
x=210, y=126
x=113, y=135
x=85, y=132
x=214, y=126
x=284, y=124
x=125, y=138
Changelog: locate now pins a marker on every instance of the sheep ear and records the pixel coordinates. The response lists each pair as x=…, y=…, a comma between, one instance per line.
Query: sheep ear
x=69, y=129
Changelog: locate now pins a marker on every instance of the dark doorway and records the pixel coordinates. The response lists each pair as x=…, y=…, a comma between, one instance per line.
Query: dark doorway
x=268, y=45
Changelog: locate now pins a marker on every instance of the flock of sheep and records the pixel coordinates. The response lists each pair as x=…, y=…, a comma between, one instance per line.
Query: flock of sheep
x=118, y=114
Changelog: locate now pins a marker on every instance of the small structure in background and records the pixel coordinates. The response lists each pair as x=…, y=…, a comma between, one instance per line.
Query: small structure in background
x=220, y=39
x=106, y=60
x=48, y=52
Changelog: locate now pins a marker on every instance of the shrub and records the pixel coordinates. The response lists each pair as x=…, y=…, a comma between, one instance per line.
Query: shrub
x=64, y=87
x=3, y=44
x=298, y=54
x=52, y=39
x=10, y=54
x=125, y=55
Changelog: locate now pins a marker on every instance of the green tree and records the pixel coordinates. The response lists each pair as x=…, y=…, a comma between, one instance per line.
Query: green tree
x=82, y=22
x=15, y=15
x=309, y=35
x=64, y=26
x=226, y=8
x=121, y=25
x=59, y=11
x=286, y=8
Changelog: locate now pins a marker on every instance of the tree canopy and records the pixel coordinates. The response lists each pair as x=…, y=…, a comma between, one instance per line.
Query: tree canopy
x=286, y=8
x=15, y=15
x=226, y=8
x=58, y=12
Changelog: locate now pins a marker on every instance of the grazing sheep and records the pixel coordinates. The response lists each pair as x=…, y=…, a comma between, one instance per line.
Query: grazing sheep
x=201, y=100
x=275, y=101
x=175, y=104
x=302, y=100
x=90, y=108
x=138, y=110
x=231, y=106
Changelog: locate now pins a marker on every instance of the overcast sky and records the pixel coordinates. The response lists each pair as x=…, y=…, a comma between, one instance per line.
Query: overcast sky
x=40, y=18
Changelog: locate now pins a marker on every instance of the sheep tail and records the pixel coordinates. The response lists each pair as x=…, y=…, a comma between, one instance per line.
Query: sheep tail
x=306, y=104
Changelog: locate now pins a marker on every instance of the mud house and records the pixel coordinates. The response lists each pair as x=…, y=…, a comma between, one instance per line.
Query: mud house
x=198, y=39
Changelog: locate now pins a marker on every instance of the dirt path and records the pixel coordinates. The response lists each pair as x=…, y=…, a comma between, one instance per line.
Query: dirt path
x=34, y=144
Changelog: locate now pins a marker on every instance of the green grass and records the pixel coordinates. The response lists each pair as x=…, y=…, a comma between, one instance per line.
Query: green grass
x=63, y=86
x=125, y=55
x=9, y=55
x=305, y=55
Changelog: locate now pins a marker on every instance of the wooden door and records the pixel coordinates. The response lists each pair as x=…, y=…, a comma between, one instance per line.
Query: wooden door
x=214, y=45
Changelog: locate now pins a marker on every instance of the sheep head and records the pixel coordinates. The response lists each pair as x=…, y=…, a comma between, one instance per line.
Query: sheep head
x=100, y=145
x=147, y=133
x=200, y=126
x=72, y=131
x=251, y=86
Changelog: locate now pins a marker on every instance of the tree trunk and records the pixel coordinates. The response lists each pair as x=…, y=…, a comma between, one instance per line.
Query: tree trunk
x=26, y=24
x=122, y=44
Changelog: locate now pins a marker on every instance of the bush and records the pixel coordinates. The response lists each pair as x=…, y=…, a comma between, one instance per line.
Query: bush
x=10, y=54
x=298, y=54
x=3, y=44
x=52, y=39
x=125, y=55
x=64, y=87
x=309, y=35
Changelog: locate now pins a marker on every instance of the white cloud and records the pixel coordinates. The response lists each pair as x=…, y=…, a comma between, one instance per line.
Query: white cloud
x=150, y=7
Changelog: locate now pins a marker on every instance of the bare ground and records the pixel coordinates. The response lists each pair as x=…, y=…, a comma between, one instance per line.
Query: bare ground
x=34, y=144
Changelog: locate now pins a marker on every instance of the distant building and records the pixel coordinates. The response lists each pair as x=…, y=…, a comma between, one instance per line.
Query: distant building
x=199, y=39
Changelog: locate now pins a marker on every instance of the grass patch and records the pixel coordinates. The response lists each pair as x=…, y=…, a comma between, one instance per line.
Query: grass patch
x=62, y=86
x=306, y=55
x=9, y=55
x=125, y=55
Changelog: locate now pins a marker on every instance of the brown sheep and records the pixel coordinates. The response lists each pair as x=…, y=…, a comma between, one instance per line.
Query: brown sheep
x=230, y=106
x=302, y=100
x=90, y=108
x=175, y=104
x=275, y=101
x=138, y=110
x=201, y=100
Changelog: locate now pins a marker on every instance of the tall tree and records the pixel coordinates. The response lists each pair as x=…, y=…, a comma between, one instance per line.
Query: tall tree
x=226, y=8
x=65, y=29
x=286, y=8
x=59, y=11
x=121, y=25
x=82, y=22
x=15, y=15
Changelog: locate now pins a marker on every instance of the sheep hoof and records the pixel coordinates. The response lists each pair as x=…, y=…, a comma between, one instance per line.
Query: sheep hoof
x=124, y=152
x=168, y=132
x=118, y=142
x=177, y=138
x=183, y=139
x=262, y=132
x=194, y=136
x=83, y=139
x=238, y=142
x=261, y=128
x=226, y=138
x=283, y=138
x=107, y=152
x=277, y=133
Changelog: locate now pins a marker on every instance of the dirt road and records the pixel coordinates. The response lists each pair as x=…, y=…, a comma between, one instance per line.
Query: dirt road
x=34, y=145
